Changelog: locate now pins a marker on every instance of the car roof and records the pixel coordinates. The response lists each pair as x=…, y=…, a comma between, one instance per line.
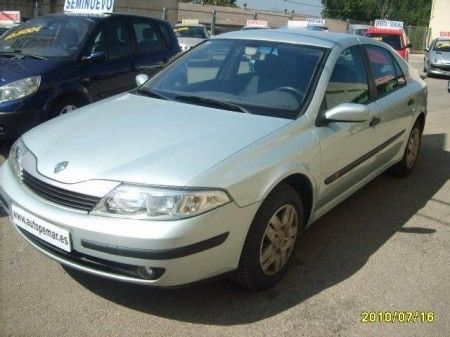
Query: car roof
x=386, y=31
x=291, y=35
x=190, y=25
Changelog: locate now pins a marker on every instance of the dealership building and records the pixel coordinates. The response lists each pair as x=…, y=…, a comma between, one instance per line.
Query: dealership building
x=440, y=19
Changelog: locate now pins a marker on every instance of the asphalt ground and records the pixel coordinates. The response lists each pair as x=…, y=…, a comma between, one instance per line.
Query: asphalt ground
x=385, y=249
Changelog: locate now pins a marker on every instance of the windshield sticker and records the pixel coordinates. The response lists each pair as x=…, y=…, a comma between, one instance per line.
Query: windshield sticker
x=378, y=38
x=384, y=79
x=23, y=32
x=181, y=29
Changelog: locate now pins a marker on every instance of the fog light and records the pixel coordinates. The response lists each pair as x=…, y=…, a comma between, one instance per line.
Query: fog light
x=149, y=273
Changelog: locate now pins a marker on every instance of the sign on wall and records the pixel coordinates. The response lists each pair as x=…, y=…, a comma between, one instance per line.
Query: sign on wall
x=257, y=23
x=89, y=6
x=444, y=34
x=297, y=24
x=389, y=24
x=316, y=21
x=10, y=16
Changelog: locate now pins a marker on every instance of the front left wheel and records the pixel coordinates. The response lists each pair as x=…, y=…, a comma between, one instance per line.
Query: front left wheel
x=271, y=240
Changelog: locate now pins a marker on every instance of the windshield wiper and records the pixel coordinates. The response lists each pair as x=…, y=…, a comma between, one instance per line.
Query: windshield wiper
x=23, y=54
x=213, y=103
x=148, y=92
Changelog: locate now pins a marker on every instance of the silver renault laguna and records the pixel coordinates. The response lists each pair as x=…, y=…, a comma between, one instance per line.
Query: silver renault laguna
x=218, y=163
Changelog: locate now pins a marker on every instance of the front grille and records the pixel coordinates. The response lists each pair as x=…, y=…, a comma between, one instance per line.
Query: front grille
x=58, y=195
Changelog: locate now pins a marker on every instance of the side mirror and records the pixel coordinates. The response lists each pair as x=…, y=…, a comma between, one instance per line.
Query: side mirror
x=348, y=112
x=141, y=79
x=409, y=45
x=96, y=56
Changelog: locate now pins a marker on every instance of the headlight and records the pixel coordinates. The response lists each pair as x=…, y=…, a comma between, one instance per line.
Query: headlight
x=16, y=155
x=154, y=203
x=19, y=89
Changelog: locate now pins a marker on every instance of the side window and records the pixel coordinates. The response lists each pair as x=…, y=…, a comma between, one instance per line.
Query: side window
x=348, y=82
x=148, y=37
x=113, y=39
x=165, y=29
x=386, y=72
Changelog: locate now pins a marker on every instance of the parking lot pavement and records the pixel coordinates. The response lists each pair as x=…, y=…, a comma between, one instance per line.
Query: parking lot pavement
x=387, y=248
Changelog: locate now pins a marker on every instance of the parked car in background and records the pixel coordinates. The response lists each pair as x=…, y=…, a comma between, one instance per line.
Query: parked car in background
x=219, y=162
x=5, y=27
x=396, y=38
x=437, y=57
x=190, y=34
x=356, y=29
x=54, y=64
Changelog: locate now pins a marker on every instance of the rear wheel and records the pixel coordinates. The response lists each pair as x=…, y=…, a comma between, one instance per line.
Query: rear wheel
x=271, y=239
x=411, y=154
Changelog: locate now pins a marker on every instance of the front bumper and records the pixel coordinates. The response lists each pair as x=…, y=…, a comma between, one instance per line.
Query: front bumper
x=443, y=70
x=16, y=117
x=185, y=251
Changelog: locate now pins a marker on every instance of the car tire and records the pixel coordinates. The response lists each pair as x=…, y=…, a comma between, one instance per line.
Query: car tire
x=285, y=204
x=411, y=154
x=64, y=105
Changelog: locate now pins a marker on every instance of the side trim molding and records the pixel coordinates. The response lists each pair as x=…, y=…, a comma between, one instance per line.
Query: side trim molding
x=160, y=254
x=360, y=160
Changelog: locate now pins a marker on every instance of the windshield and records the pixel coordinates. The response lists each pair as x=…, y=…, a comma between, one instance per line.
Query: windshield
x=190, y=31
x=266, y=78
x=47, y=37
x=393, y=40
x=442, y=46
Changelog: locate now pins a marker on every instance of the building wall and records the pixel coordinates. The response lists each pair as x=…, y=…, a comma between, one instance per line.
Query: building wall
x=440, y=18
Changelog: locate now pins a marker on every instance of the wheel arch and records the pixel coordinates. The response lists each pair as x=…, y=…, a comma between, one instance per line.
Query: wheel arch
x=304, y=184
x=71, y=91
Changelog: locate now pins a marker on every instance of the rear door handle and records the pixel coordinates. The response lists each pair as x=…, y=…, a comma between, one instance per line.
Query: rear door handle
x=411, y=101
x=374, y=121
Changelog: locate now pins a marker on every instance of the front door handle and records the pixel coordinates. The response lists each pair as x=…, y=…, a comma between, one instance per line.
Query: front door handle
x=374, y=121
x=411, y=101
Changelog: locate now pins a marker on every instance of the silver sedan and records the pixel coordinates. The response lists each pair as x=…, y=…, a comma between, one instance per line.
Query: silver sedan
x=217, y=164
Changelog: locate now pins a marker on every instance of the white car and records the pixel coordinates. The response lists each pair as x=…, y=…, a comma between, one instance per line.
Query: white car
x=218, y=163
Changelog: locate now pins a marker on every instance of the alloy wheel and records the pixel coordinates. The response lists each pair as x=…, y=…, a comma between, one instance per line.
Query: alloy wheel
x=279, y=239
x=412, y=148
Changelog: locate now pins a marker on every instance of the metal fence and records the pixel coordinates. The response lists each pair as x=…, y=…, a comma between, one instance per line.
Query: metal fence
x=418, y=36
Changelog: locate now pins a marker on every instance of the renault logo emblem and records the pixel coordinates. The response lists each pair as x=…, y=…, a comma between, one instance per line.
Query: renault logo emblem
x=61, y=166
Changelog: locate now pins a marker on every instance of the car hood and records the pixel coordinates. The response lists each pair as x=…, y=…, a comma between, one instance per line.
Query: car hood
x=143, y=140
x=13, y=69
x=190, y=41
x=445, y=56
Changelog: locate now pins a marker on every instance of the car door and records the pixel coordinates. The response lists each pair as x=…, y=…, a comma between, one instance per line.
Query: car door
x=113, y=74
x=347, y=147
x=396, y=99
x=152, y=50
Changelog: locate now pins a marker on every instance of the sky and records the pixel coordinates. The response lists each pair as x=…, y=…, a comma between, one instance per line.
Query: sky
x=299, y=6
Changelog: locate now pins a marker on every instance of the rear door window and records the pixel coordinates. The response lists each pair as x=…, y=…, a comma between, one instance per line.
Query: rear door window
x=148, y=36
x=387, y=74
